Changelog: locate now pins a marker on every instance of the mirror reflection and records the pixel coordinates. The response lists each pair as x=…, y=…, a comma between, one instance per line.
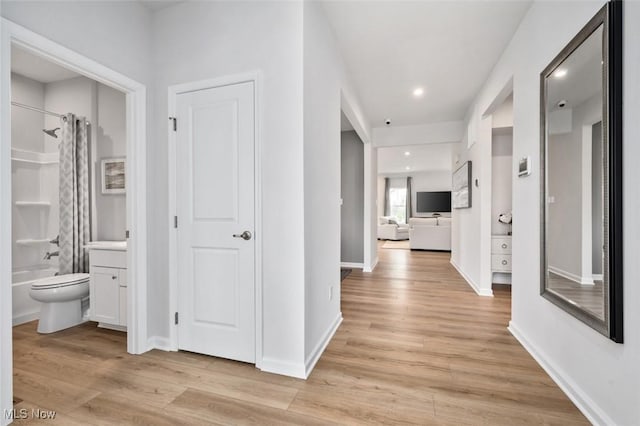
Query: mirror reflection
x=575, y=179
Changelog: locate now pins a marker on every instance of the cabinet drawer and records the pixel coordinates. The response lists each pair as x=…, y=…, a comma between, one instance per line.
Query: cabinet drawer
x=501, y=262
x=500, y=245
x=108, y=258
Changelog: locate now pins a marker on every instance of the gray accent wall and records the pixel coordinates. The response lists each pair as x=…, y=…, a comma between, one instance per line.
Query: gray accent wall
x=352, y=193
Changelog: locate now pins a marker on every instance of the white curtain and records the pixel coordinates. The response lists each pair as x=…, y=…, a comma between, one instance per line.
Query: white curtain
x=75, y=230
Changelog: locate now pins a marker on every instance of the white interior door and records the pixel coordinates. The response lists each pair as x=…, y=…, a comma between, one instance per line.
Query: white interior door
x=215, y=207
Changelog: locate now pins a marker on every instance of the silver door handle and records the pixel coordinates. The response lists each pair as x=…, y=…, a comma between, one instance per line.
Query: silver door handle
x=246, y=235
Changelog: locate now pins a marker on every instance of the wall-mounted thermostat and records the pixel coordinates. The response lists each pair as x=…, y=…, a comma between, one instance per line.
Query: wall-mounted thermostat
x=524, y=167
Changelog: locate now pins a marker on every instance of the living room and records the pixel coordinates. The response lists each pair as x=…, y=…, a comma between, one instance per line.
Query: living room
x=414, y=193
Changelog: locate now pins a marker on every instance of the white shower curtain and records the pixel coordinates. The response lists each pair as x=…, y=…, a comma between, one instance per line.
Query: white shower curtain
x=75, y=230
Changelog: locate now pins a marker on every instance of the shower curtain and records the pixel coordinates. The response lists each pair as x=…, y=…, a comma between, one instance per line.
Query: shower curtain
x=74, y=196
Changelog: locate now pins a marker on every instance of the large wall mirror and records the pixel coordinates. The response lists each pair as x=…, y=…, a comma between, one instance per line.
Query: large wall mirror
x=581, y=164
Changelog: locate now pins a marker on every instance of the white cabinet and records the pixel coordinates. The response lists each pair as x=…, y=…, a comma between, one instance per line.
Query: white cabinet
x=108, y=288
x=501, y=253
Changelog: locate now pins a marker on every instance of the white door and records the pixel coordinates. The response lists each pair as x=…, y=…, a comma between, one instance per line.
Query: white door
x=215, y=207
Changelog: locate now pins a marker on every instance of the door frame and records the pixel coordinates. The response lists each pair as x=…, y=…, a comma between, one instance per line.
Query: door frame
x=173, y=92
x=136, y=109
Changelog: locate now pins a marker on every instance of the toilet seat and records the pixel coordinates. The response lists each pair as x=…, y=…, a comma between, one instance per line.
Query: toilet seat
x=59, y=281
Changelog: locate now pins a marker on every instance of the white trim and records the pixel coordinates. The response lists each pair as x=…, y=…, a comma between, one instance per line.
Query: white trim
x=370, y=268
x=472, y=284
x=173, y=92
x=24, y=318
x=315, y=355
x=571, y=277
x=284, y=368
x=159, y=342
x=352, y=265
x=13, y=34
x=598, y=277
x=585, y=404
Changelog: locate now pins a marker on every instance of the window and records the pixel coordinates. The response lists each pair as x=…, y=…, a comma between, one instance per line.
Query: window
x=398, y=204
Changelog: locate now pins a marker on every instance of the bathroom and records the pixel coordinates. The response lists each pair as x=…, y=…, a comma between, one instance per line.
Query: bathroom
x=48, y=144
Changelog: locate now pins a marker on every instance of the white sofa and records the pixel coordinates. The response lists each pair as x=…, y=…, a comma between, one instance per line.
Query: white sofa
x=392, y=231
x=430, y=233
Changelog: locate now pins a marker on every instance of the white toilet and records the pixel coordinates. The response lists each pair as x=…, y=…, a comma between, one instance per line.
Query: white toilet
x=61, y=298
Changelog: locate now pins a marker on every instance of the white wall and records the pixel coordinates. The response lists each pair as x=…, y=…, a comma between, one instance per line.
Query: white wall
x=446, y=132
x=202, y=40
x=501, y=179
x=111, y=141
x=600, y=376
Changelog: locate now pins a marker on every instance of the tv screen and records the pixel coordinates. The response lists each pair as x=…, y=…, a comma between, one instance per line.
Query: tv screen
x=433, y=202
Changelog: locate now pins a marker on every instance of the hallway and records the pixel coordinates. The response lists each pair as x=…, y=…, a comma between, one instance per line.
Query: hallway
x=416, y=346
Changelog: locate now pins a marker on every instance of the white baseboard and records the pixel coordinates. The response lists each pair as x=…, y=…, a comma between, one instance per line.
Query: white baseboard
x=370, y=268
x=571, y=276
x=501, y=278
x=21, y=319
x=161, y=343
x=315, y=355
x=352, y=265
x=598, y=277
x=586, y=405
x=284, y=368
x=473, y=285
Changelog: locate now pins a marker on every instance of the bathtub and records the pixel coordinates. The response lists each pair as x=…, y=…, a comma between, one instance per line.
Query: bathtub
x=26, y=309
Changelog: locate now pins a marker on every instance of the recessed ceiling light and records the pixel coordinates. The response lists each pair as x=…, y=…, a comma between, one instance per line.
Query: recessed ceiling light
x=418, y=92
x=560, y=73
x=407, y=153
x=407, y=168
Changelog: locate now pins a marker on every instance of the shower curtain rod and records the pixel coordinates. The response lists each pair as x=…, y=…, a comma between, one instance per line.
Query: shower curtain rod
x=37, y=109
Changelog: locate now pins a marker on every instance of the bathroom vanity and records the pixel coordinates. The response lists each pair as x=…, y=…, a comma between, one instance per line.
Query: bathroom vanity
x=108, y=284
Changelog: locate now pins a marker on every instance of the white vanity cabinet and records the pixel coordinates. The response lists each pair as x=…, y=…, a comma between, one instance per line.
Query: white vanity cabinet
x=108, y=286
x=501, y=253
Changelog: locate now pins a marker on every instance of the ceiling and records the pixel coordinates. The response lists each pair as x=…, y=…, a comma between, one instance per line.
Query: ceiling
x=37, y=68
x=446, y=47
x=583, y=78
x=422, y=158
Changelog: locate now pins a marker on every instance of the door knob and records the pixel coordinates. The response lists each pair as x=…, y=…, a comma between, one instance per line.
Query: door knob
x=246, y=235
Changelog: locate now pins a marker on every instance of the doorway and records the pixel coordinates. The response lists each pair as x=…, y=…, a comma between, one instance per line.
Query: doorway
x=135, y=135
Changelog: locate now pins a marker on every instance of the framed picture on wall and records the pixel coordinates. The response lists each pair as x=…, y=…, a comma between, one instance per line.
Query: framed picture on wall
x=461, y=194
x=113, y=175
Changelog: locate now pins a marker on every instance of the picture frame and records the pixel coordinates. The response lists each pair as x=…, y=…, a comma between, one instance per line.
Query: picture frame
x=461, y=187
x=114, y=175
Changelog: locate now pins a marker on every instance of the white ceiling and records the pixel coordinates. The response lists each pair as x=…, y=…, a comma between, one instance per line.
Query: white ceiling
x=446, y=47
x=37, y=68
x=583, y=79
x=427, y=157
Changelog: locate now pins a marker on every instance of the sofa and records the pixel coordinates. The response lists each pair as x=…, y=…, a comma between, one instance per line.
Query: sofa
x=430, y=233
x=389, y=229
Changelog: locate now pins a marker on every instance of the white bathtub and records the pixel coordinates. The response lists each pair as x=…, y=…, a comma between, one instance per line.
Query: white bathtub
x=26, y=309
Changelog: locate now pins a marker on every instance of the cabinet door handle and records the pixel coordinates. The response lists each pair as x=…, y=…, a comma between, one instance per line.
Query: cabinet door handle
x=504, y=262
x=504, y=245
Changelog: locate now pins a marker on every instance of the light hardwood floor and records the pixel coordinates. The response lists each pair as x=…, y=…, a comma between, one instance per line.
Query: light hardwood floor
x=417, y=346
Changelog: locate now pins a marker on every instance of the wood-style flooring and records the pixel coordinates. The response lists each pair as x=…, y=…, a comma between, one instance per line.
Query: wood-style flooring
x=417, y=346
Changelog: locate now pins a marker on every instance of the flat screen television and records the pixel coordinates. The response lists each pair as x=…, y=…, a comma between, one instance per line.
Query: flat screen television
x=433, y=202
